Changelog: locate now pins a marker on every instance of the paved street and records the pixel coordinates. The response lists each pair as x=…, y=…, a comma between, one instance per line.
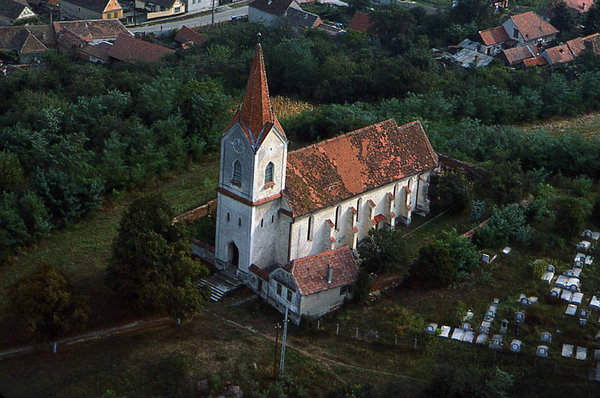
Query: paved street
x=201, y=20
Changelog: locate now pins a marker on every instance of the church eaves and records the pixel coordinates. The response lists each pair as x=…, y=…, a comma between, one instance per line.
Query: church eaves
x=255, y=114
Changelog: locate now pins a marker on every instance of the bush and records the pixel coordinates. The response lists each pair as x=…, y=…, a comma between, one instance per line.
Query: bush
x=435, y=266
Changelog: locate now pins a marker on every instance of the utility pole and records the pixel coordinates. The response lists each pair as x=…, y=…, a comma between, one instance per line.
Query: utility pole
x=275, y=361
x=283, y=338
x=213, y=13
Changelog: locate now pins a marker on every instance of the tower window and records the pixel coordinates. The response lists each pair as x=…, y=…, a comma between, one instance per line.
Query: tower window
x=269, y=173
x=309, y=231
x=272, y=218
x=261, y=222
x=228, y=217
x=239, y=222
x=338, y=210
x=237, y=174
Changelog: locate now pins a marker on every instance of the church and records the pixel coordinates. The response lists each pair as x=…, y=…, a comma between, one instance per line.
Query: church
x=289, y=223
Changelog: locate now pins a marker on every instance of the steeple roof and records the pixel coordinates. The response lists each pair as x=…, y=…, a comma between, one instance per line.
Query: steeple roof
x=255, y=114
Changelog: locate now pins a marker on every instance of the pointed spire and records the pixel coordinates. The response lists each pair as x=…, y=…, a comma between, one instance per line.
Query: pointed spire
x=255, y=114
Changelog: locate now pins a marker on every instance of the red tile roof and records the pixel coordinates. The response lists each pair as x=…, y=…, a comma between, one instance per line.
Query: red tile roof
x=532, y=26
x=129, y=49
x=310, y=273
x=337, y=169
x=580, y=6
x=578, y=45
x=93, y=29
x=360, y=22
x=20, y=39
x=516, y=55
x=186, y=35
x=255, y=114
x=379, y=218
x=537, y=61
x=493, y=36
x=99, y=51
x=558, y=54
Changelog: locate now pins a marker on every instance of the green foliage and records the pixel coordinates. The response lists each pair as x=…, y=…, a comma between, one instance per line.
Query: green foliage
x=435, y=267
x=453, y=191
x=363, y=285
x=571, y=215
x=12, y=176
x=45, y=306
x=150, y=265
x=478, y=210
x=465, y=254
x=169, y=376
x=384, y=251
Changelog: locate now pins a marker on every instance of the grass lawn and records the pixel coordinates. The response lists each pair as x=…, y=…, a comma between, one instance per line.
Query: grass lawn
x=82, y=249
x=588, y=125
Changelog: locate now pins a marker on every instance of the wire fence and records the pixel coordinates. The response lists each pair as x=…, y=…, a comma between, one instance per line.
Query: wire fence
x=418, y=343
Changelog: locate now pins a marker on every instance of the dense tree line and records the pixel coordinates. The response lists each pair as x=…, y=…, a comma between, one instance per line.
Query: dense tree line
x=74, y=131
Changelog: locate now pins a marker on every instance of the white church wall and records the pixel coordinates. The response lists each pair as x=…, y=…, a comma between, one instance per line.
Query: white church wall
x=235, y=146
x=233, y=225
x=264, y=234
x=320, y=242
x=273, y=149
x=321, y=303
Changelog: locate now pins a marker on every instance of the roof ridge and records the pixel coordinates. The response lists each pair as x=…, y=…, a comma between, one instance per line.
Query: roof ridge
x=356, y=131
x=316, y=255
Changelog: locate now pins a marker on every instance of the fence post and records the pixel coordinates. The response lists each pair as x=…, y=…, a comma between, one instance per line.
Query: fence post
x=356, y=335
x=337, y=329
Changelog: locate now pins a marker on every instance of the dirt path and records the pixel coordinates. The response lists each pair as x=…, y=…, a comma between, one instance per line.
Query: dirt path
x=325, y=360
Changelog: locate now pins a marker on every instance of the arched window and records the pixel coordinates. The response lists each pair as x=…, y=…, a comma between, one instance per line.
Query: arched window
x=309, y=230
x=269, y=173
x=338, y=210
x=237, y=173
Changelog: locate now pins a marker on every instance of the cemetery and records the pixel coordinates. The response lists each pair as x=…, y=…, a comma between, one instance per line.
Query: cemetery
x=570, y=316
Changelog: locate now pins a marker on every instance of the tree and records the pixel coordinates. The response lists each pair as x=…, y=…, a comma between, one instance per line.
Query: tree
x=383, y=251
x=592, y=20
x=45, y=305
x=435, y=267
x=571, y=215
x=563, y=19
x=151, y=266
x=453, y=192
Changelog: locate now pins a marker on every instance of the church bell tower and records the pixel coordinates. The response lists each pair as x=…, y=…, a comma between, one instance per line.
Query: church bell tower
x=251, y=181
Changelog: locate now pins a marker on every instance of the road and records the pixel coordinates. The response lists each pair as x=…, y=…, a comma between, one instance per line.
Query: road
x=201, y=20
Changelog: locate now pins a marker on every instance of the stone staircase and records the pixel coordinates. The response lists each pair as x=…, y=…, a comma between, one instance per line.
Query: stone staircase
x=220, y=284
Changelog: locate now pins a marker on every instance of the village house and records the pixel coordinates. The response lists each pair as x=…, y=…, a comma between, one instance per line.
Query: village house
x=89, y=40
x=529, y=28
x=23, y=43
x=288, y=224
x=564, y=53
x=160, y=8
x=130, y=49
x=189, y=38
x=360, y=22
x=271, y=12
x=516, y=55
x=91, y=9
x=200, y=5
x=15, y=11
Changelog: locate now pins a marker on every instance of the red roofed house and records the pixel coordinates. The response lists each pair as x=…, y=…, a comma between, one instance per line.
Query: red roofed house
x=529, y=28
x=558, y=55
x=516, y=55
x=360, y=22
x=580, y=6
x=89, y=39
x=288, y=223
x=130, y=49
x=494, y=40
x=188, y=37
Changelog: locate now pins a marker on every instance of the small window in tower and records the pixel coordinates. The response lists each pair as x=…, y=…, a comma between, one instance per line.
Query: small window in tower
x=239, y=222
x=236, y=179
x=309, y=231
x=338, y=210
x=269, y=173
x=261, y=222
x=272, y=219
x=228, y=217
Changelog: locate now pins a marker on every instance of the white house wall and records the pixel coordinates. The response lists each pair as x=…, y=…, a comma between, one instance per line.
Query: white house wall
x=273, y=149
x=321, y=303
x=264, y=234
x=199, y=5
x=236, y=230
